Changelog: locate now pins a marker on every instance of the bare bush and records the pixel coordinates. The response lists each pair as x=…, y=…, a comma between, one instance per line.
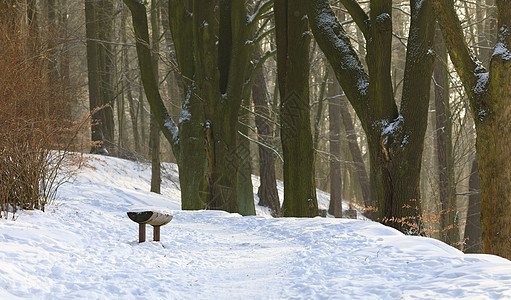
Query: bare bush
x=36, y=131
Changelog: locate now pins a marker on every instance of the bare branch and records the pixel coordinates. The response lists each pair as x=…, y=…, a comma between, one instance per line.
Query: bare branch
x=359, y=15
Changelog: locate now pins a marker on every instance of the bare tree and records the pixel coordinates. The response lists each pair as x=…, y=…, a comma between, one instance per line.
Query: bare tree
x=489, y=92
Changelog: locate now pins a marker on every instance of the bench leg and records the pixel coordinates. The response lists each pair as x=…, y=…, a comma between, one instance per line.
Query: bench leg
x=156, y=233
x=141, y=233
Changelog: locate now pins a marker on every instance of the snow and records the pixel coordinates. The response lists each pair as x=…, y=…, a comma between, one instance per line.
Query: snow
x=390, y=128
x=383, y=18
x=328, y=23
x=184, y=116
x=171, y=126
x=85, y=246
x=418, y=4
x=482, y=83
x=502, y=51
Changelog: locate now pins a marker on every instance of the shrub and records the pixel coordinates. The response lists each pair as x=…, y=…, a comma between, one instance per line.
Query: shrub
x=36, y=131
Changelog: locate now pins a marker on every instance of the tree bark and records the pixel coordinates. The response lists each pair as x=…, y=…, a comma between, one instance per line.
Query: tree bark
x=293, y=75
x=490, y=100
x=473, y=243
x=268, y=195
x=187, y=142
x=221, y=65
x=445, y=160
x=154, y=149
x=192, y=176
x=245, y=188
x=222, y=99
x=127, y=82
x=93, y=75
x=319, y=112
x=493, y=140
x=51, y=23
x=140, y=24
x=154, y=131
x=356, y=156
x=334, y=126
x=142, y=114
x=100, y=73
x=174, y=85
x=395, y=138
x=106, y=67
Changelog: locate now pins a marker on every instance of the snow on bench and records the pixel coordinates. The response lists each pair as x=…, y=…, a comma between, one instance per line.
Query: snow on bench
x=154, y=218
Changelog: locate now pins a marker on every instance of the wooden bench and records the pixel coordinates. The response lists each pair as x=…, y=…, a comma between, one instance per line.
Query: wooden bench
x=153, y=218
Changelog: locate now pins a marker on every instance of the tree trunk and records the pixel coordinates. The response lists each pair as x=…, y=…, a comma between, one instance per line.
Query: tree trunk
x=493, y=140
x=213, y=75
x=221, y=64
x=93, y=75
x=268, y=195
x=473, y=243
x=106, y=67
x=154, y=149
x=334, y=119
x=405, y=154
x=127, y=82
x=223, y=160
x=174, y=86
x=147, y=74
x=445, y=160
x=154, y=131
x=245, y=188
x=191, y=157
x=490, y=99
x=100, y=73
x=319, y=112
x=51, y=23
x=124, y=69
x=187, y=142
x=216, y=81
x=395, y=139
x=296, y=136
x=356, y=156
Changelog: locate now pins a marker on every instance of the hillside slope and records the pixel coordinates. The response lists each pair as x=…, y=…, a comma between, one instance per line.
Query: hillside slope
x=85, y=247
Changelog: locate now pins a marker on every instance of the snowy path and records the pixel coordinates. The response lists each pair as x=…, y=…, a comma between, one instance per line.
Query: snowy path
x=86, y=247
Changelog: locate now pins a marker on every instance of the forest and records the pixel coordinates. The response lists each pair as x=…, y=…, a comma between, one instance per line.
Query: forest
x=401, y=108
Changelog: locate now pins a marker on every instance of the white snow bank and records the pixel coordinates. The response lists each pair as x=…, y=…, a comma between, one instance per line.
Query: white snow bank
x=86, y=247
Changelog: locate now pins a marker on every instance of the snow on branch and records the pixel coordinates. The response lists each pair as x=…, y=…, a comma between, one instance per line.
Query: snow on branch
x=261, y=8
x=335, y=44
x=501, y=50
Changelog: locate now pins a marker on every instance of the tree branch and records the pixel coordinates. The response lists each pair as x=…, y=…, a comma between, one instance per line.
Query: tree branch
x=261, y=8
x=166, y=124
x=420, y=60
x=463, y=60
x=335, y=44
x=358, y=15
x=259, y=65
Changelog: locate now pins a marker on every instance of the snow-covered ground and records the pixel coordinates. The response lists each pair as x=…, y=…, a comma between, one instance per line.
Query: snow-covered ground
x=85, y=246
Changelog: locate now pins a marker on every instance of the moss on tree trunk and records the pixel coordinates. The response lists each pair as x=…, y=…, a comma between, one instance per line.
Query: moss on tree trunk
x=490, y=101
x=296, y=135
x=395, y=138
x=494, y=157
